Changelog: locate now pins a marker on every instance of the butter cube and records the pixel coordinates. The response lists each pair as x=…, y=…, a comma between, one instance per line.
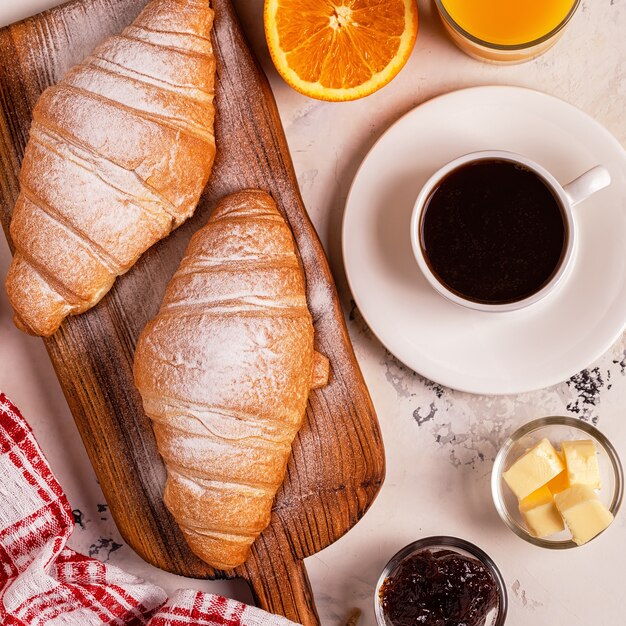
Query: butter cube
x=561, y=481
x=582, y=463
x=540, y=513
x=533, y=469
x=583, y=512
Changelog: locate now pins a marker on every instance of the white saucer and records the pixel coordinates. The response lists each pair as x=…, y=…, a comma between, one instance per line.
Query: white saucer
x=477, y=352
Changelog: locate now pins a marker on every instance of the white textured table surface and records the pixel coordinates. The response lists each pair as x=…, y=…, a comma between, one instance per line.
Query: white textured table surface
x=440, y=444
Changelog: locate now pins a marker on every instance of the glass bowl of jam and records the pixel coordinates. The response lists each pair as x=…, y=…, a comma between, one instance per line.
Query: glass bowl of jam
x=441, y=581
x=545, y=514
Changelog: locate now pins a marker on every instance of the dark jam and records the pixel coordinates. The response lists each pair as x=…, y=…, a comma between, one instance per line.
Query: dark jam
x=493, y=232
x=441, y=588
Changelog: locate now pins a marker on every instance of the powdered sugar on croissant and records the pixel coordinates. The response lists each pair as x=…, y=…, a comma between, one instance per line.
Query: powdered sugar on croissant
x=119, y=152
x=225, y=371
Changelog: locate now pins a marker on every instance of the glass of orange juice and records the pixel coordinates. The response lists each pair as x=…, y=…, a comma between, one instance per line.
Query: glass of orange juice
x=505, y=31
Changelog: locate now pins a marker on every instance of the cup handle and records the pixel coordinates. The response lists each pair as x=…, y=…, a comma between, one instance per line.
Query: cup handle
x=587, y=184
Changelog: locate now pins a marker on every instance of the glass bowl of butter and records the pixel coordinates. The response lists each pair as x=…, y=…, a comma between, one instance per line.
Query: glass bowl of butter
x=557, y=482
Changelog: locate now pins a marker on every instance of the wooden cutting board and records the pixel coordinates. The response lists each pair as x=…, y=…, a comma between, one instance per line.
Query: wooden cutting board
x=337, y=466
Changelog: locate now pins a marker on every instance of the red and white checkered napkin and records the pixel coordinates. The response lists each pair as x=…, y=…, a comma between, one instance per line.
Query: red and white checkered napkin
x=43, y=582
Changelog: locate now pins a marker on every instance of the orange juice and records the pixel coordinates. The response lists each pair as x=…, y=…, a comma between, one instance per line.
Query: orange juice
x=508, y=22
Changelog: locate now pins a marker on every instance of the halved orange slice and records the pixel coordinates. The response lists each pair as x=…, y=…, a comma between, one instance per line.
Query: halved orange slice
x=340, y=49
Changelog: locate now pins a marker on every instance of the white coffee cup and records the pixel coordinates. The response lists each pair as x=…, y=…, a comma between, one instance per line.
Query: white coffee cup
x=568, y=197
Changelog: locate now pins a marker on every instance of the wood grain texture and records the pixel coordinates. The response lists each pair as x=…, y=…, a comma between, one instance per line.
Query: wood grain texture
x=337, y=465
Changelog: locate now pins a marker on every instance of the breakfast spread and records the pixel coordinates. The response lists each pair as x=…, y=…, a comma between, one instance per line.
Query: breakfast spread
x=540, y=513
x=119, y=153
x=581, y=461
x=534, y=469
x=556, y=489
x=439, y=588
x=583, y=512
x=225, y=371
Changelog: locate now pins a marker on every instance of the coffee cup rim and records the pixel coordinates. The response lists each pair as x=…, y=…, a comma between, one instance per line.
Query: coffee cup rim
x=557, y=189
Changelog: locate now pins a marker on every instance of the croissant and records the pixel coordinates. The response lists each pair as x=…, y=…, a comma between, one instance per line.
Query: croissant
x=118, y=155
x=224, y=371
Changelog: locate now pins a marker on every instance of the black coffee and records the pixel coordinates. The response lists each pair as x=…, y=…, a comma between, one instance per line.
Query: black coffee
x=493, y=232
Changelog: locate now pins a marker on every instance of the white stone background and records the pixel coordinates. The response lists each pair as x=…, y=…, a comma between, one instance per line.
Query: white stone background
x=440, y=443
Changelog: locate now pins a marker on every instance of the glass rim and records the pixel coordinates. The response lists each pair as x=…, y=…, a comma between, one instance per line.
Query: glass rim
x=572, y=422
x=443, y=541
x=443, y=12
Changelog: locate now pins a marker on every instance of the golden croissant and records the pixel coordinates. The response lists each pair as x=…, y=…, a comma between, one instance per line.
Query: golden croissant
x=225, y=371
x=119, y=153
